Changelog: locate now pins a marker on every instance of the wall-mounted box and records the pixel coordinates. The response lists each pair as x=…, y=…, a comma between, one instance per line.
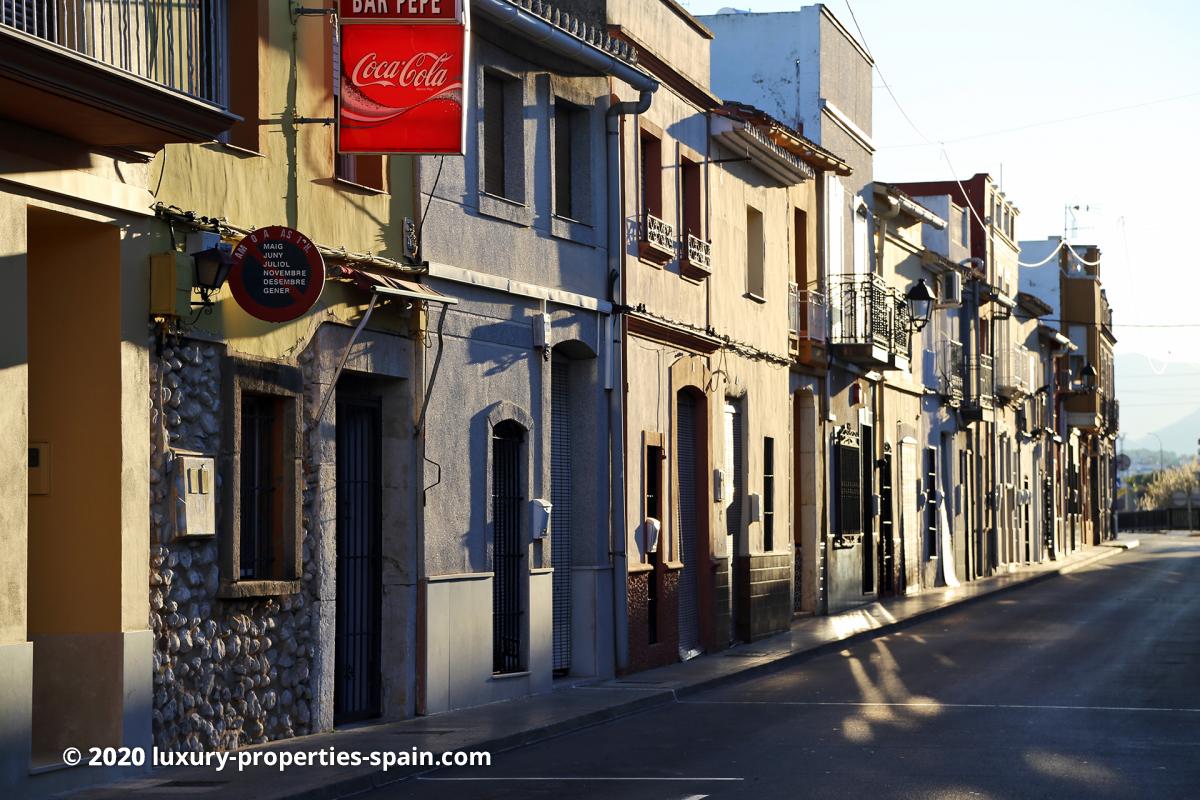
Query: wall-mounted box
x=171, y=284
x=539, y=517
x=193, y=496
x=39, y=468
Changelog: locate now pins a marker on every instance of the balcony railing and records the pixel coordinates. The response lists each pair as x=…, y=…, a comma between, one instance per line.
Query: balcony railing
x=950, y=371
x=866, y=312
x=1112, y=415
x=808, y=314
x=657, y=239
x=1014, y=375
x=178, y=44
x=699, y=253
x=979, y=381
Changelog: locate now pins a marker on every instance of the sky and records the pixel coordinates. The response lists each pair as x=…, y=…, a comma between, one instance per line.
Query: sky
x=1089, y=104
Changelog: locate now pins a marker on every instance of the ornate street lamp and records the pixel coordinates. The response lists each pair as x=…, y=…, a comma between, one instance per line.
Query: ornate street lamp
x=920, y=304
x=212, y=268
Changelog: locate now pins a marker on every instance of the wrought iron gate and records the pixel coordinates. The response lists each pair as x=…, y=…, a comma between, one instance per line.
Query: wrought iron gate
x=560, y=523
x=735, y=464
x=887, y=533
x=507, y=502
x=359, y=556
x=689, y=577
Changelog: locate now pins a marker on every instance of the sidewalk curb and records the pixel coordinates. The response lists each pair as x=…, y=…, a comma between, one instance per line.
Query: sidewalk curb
x=357, y=784
x=377, y=780
x=790, y=659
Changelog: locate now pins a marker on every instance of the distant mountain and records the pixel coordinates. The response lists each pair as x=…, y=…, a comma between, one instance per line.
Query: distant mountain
x=1158, y=399
x=1181, y=436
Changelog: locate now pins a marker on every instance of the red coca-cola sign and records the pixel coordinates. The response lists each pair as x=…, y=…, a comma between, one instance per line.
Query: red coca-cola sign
x=352, y=11
x=402, y=89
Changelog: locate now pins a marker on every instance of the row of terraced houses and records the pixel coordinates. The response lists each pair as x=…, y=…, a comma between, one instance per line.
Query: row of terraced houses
x=653, y=369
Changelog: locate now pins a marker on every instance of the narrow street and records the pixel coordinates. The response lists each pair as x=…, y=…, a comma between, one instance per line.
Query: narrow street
x=1081, y=686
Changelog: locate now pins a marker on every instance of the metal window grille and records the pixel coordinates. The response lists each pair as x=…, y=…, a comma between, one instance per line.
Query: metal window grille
x=507, y=501
x=685, y=465
x=849, y=490
x=259, y=483
x=560, y=523
x=179, y=45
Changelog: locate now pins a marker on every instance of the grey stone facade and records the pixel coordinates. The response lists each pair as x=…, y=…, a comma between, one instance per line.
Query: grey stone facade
x=227, y=673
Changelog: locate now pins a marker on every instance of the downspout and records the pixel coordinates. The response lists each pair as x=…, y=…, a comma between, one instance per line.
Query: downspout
x=537, y=29
x=617, y=532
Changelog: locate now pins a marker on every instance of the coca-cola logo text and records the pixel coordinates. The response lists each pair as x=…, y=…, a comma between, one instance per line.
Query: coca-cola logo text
x=425, y=70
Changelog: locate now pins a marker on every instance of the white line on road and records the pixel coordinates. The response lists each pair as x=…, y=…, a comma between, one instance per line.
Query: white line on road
x=1017, y=706
x=593, y=778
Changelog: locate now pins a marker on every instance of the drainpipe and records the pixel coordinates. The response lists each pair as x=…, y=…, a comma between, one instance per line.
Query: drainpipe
x=555, y=40
x=618, y=535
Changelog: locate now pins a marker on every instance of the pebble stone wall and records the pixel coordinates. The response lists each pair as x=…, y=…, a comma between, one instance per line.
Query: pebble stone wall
x=227, y=673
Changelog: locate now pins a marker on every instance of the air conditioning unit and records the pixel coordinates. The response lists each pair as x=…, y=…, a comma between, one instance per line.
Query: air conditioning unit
x=950, y=289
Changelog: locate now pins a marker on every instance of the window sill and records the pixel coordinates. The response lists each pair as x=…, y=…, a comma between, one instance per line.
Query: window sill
x=639, y=568
x=758, y=298
x=572, y=230
x=238, y=590
x=693, y=272
x=503, y=208
x=506, y=676
x=342, y=183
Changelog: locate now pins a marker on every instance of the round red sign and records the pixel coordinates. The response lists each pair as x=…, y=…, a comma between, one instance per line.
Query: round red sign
x=277, y=274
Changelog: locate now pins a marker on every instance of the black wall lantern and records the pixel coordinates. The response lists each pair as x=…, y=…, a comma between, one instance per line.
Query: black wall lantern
x=212, y=268
x=920, y=304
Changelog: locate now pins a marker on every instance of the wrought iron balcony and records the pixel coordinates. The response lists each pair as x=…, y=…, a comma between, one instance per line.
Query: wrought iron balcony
x=1112, y=415
x=1014, y=375
x=114, y=72
x=698, y=261
x=979, y=382
x=808, y=314
x=869, y=321
x=950, y=371
x=657, y=240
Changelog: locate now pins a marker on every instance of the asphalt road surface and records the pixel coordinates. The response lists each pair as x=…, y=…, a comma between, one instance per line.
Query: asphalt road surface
x=1085, y=685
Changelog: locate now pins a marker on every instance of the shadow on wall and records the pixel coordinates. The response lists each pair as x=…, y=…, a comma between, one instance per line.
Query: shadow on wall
x=502, y=345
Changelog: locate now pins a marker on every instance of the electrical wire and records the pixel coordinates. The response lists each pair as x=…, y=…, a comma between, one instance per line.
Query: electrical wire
x=942, y=146
x=1051, y=121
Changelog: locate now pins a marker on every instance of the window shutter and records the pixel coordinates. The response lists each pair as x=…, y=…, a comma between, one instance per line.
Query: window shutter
x=563, y=118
